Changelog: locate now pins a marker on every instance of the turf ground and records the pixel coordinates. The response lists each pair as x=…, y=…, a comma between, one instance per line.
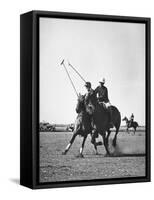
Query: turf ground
x=128, y=159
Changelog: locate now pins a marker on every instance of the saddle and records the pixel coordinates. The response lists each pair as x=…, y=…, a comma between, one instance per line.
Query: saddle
x=108, y=111
x=103, y=105
x=130, y=123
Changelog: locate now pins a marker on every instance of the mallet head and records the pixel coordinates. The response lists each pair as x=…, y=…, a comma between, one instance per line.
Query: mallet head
x=62, y=62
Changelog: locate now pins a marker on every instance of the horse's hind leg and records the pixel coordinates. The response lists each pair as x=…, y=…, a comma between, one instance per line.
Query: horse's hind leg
x=115, y=137
x=107, y=137
x=70, y=144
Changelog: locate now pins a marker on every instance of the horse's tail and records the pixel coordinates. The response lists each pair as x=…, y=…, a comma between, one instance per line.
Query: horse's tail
x=116, y=116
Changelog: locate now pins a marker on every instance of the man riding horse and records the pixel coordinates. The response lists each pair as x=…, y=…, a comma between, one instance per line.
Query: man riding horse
x=102, y=93
x=91, y=95
x=103, y=115
x=131, y=119
x=92, y=119
x=90, y=92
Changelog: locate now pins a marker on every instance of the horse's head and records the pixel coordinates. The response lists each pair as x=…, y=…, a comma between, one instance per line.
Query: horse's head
x=80, y=104
x=91, y=103
x=90, y=108
x=125, y=119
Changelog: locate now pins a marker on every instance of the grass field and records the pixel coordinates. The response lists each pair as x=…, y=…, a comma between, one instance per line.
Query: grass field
x=128, y=159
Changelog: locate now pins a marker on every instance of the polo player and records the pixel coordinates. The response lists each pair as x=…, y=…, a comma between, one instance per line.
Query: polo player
x=102, y=95
x=91, y=95
x=90, y=92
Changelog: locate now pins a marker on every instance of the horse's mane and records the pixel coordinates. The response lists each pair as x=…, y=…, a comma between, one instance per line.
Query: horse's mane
x=80, y=104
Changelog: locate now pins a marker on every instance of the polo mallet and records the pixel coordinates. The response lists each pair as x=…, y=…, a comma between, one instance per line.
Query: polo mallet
x=76, y=71
x=62, y=63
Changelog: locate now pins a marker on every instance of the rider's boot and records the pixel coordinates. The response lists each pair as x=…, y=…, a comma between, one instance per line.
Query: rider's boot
x=94, y=131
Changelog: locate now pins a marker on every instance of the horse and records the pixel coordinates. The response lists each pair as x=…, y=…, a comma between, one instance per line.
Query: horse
x=101, y=120
x=82, y=127
x=130, y=124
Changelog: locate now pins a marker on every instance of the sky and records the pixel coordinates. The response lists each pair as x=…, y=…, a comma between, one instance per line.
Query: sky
x=97, y=49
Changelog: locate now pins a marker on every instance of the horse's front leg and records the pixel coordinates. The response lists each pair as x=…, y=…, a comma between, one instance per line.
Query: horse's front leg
x=107, y=137
x=94, y=135
x=70, y=143
x=82, y=146
x=93, y=141
x=127, y=130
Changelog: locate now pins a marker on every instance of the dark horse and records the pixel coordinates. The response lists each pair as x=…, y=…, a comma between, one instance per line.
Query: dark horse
x=101, y=120
x=82, y=127
x=130, y=124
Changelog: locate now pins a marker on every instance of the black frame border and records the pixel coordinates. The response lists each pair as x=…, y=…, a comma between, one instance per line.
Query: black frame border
x=33, y=172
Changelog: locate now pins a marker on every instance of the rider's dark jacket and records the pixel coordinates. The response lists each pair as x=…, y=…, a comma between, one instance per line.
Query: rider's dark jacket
x=102, y=94
x=132, y=118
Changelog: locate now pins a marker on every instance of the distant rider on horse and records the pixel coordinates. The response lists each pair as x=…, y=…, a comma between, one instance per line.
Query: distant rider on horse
x=102, y=94
x=131, y=119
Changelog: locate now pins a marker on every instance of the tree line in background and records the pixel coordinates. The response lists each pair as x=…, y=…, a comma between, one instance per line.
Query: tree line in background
x=46, y=126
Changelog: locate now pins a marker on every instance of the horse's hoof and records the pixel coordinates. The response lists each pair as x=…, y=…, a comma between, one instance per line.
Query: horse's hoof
x=107, y=155
x=80, y=156
x=99, y=143
x=98, y=153
x=64, y=153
